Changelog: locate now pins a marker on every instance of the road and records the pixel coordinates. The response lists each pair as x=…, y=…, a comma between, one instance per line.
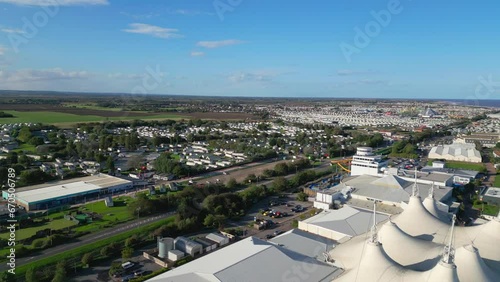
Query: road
x=91, y=238
x=88, y=239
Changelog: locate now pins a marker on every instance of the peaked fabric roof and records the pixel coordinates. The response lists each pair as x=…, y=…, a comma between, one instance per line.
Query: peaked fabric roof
x=408, y=251
x=471, y=266
x=416, y=221
x=430, y=204
x=391, y=181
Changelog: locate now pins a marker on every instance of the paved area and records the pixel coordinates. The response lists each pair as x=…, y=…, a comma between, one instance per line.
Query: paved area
x=100, y=273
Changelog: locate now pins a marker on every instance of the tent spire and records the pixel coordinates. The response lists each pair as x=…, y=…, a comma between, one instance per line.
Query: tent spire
x=449, y=251
x=374, y=231
x=414, y=191
x=431, y=191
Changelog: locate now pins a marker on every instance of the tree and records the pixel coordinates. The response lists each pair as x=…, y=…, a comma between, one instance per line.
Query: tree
x=87, y=259
x=31, y=275
x=127, y=252
x=281, y=169
x=131, y=241
x=110, y=164
x=301, y=196
x=251, y=178
x=24, y=134
x=29, y=177
x=231, y=184
x=280, y=184
x=36, y=141
x=209, y=220
x=106, y=251
x=7, y=277
x=60, y=275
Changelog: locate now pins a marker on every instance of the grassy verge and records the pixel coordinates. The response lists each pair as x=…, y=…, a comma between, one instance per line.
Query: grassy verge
x=488, y=209
x=80, y=251
x=25, y=233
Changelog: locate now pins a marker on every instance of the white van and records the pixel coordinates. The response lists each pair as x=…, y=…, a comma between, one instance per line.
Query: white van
x=127, y=265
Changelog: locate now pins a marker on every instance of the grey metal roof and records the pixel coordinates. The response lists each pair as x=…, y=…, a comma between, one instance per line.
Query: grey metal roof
x=387, y=190
x=347, y=220
x=250, y=259
x=305, y=243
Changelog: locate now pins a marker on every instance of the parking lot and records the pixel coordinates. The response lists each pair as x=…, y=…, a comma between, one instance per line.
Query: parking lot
x=100, y=273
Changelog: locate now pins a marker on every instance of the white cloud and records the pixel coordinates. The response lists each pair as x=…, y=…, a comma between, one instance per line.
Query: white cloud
x=55, y=2
x=247, y=76
x=260, y=75
x=155, y=31
x=347, y=72
x=12, y=30
x=2, y=50
x=220, y=43
x=125, y=76
x=186, y=12
x=47, y=74
x=140, y=16
x=197, y=54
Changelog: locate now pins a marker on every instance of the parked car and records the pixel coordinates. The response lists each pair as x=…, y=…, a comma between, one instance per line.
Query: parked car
x=277, y=232
x=138, y=273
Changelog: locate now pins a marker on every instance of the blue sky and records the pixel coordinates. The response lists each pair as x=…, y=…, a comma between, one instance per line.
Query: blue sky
x=343, y=48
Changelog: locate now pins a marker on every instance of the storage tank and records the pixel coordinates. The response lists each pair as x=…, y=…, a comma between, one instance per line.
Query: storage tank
x=164, y=245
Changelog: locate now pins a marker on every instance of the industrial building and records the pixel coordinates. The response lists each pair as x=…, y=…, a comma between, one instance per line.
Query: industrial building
x=252, y=259
x=456, y=152
x=486, y=140
x=340, y=225
x=366, y=162
x=220, y=239
x=391, y=189
x=188, y=246
x=492, y=196
x=68, y=192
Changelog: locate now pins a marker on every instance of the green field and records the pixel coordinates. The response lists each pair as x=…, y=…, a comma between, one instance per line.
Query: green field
x=462, y=165
x=488, y=209
x=25, y=148
x=91, y=107
x=64, y=118
x=496, y=183
x=25, y=233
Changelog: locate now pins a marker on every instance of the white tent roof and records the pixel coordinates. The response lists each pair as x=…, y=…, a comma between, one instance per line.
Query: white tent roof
x=486, y=239
x=408, y=251
x=471, y=266
x=416, y=221
x=372, y=265
x=442, y=272
x=430, y=204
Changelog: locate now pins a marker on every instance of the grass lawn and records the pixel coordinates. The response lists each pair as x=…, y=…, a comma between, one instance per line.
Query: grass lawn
x=25, y=147
x=488, y=209
x=110, y=215
x=461, y=165
x=67, y=119
x=464, y=165
x=24, y=233
x=496, y=183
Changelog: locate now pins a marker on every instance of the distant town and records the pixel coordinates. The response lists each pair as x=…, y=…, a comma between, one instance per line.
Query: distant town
x=166, y=188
